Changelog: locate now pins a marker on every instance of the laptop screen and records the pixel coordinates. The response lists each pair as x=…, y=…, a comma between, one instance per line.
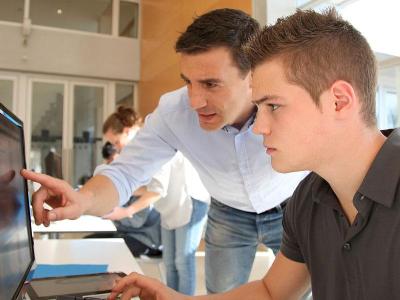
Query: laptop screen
x=16, y=246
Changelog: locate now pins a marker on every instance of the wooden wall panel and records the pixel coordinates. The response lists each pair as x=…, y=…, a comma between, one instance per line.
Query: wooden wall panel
x=162, y=22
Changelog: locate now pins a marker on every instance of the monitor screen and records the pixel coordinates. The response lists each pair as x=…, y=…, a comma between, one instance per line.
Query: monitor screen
x=16, y=254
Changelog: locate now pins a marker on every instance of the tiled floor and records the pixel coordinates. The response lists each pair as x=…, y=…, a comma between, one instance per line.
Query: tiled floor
x=154, y=268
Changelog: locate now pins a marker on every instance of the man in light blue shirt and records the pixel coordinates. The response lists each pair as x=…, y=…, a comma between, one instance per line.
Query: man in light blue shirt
x=209, y=121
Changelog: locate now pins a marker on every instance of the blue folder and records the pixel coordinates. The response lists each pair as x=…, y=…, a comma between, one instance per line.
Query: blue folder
x=43, y=270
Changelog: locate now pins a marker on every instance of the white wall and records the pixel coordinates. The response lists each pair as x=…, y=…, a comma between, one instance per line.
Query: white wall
x=64, y=52
x=277, y=9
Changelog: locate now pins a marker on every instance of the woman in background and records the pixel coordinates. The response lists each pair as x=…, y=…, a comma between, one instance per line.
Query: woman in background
x=142, y=232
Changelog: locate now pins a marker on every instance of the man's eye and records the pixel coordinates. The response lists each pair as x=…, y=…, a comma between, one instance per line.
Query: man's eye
x=273, y=106
x=210, y=84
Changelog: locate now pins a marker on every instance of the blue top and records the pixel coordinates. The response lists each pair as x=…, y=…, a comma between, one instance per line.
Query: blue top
x=232, y=163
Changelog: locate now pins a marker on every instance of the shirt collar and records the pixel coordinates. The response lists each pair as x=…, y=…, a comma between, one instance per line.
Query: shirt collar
x=245, y=127
x=381, y=182
x=322, y=192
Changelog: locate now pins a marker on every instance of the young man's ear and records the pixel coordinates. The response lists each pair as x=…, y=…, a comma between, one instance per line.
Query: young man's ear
x=343, y=95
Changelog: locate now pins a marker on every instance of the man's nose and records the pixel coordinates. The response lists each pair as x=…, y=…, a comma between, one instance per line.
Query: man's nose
x=197, y=98
x=261, y=124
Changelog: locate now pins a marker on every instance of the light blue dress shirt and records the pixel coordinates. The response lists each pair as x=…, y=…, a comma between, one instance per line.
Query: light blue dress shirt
x=231, y=163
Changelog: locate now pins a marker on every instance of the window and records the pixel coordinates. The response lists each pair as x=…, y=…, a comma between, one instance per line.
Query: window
x=65, y=124
x=128, y=19
x=94, y=16
x=6, y=92
x=88, y=122
x=46, y=127
x=88, y=15
x=12, y=10
x=124, y=95
x=387, y=97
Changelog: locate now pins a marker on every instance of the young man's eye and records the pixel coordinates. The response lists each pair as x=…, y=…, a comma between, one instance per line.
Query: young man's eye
x=273, y=106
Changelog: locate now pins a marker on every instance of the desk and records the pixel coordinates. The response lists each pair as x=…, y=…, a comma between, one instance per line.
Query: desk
x=84, y=224
x=112, y=252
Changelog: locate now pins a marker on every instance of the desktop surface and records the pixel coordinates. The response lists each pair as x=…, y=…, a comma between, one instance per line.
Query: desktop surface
x=82, y=224
x=112, y=252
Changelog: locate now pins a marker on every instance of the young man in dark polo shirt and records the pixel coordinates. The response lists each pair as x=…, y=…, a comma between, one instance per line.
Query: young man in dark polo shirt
x=314, y=80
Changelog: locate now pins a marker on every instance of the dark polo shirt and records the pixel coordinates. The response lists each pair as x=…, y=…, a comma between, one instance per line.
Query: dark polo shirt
x=349, y=261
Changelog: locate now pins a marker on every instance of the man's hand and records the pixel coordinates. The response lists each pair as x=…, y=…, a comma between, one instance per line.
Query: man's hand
x=146, y=288
x=119, y=213
x=66, y=203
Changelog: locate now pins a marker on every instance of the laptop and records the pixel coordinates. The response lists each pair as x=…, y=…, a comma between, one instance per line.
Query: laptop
x=17, y=257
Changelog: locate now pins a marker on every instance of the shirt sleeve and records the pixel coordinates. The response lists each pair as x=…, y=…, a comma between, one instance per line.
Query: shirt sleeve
x=160, y=181
x=290, y=245
x=141, y=158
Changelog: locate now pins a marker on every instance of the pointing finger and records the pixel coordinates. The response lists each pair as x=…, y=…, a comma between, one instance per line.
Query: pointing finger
x=45, y=180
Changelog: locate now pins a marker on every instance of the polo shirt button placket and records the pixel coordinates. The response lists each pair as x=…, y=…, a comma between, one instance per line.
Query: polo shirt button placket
x=347, y=246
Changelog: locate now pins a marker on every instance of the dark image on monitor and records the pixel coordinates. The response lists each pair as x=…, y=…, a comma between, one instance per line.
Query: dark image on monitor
x=16, y=252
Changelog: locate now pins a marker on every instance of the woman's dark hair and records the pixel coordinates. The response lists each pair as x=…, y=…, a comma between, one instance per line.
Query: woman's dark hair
x=108, y=150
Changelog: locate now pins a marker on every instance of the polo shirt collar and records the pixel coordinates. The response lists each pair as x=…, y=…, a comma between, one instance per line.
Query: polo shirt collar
x=322, y=192
x=380, y=183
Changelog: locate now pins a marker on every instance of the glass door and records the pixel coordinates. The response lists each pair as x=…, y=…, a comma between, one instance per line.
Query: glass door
x=66, y=121
x=88, y=117
x=63, y=121
x=46, y=145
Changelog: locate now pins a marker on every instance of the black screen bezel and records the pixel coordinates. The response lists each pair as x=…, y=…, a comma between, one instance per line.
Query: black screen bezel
x=19, y=124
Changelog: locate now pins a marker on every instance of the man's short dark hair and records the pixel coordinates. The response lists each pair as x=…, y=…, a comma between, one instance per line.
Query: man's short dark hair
x=317, y=49
x=230, y=28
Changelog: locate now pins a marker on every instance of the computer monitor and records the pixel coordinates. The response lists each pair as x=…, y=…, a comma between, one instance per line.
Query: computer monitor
x=16, y=244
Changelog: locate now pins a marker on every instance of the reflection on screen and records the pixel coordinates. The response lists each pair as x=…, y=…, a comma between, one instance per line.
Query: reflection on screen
x=15, y=255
